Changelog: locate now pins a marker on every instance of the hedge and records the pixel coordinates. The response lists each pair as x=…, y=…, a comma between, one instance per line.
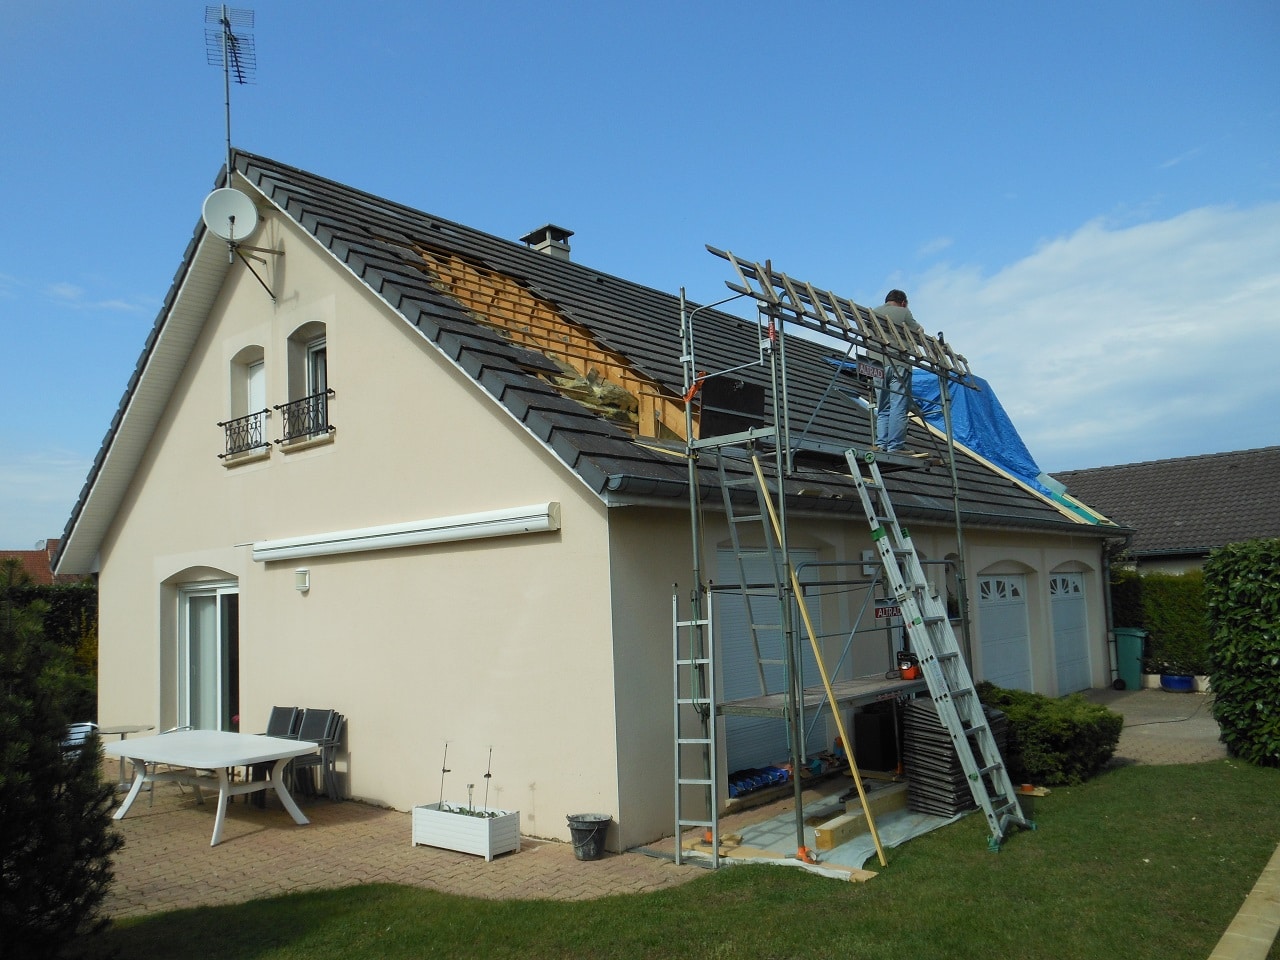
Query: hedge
x=1173, y=610
x=1242, y=590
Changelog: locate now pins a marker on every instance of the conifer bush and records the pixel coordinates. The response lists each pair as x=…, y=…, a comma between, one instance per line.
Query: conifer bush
x=1242, y=588
x=56, y=840
x=1053, y=741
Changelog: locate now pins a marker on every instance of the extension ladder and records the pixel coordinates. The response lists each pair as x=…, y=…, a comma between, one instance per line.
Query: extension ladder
x=934, y=643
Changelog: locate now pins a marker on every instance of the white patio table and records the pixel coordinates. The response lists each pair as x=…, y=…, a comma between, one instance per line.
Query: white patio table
x=215, y=751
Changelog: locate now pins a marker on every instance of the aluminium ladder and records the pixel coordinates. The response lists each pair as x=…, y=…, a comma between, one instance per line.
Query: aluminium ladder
x=768, y=635
x=694, y=689
x=934, y=643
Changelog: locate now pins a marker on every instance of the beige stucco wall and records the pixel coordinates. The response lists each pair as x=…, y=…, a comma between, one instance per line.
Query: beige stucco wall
x=499, y=643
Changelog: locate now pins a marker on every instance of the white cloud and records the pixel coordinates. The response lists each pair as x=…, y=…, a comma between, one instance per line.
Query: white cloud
x=71, y=295
x=1174, y=161
x=934, y=246
x=1118, y=344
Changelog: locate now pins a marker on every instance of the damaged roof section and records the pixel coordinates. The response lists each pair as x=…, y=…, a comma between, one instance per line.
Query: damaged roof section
x=591, y=374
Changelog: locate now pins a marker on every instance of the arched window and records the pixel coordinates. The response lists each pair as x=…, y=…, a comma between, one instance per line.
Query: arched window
x=246, y=429
x=306, y=415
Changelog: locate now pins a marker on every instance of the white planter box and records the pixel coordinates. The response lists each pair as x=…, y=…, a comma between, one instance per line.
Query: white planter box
x=1151, y=681
x=483, y=836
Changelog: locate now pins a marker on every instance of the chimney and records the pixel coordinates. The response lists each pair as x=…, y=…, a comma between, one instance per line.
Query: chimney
x=549, y=239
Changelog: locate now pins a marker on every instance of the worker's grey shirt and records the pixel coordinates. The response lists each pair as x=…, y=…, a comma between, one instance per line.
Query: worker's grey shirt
x=900, y=317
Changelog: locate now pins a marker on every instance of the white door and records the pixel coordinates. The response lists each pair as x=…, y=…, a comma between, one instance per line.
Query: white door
x=208, y=656
x=757, y=741
x=1070, y=631
x=1006, y=634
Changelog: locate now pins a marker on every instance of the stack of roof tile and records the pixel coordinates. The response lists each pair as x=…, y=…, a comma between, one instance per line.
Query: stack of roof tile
x=936, y=783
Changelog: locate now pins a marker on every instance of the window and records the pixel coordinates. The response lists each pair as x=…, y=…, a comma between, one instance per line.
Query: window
x=306, y=415
x=246, y=430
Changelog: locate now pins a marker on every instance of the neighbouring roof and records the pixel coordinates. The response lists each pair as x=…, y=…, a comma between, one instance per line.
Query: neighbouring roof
x=446, y=280
x=1187, y=505
x=38, y=563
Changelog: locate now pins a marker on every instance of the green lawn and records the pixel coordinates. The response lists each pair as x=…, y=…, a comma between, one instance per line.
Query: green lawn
x=1143, y=862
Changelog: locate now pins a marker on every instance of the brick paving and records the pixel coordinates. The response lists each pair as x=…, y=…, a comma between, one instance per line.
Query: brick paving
x=167, y=862
x=1162, y=727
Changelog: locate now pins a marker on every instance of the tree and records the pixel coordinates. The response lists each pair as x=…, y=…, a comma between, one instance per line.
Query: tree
x=56, y=840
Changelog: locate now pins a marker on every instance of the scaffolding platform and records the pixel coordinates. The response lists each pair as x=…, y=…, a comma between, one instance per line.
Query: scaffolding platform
x=848, y=693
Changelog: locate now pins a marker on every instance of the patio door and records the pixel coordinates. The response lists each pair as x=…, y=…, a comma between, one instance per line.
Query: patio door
x=208, y=656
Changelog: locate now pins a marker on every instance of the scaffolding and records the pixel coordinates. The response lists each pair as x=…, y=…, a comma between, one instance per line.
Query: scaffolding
x=776, y=603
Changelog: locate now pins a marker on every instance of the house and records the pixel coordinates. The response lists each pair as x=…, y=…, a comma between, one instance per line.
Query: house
x=1184, y=507
x=380, y=461
x=38, y=563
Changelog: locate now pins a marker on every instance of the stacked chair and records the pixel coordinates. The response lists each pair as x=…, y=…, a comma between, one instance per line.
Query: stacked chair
x=323, y=727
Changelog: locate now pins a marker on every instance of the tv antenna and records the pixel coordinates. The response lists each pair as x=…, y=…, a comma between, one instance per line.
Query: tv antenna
x=229, y=45
x=228, y=213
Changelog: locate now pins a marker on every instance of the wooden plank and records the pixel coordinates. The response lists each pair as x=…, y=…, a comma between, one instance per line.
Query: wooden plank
x=852, y=823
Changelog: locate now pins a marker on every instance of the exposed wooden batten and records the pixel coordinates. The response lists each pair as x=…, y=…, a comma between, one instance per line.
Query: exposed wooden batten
x=597, y=377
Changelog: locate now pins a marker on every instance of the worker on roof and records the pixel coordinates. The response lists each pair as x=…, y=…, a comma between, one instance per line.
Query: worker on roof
x=894, y=394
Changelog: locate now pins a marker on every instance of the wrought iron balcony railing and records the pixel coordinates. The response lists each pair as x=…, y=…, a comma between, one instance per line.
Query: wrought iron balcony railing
x=306, y=418
x=245, y=433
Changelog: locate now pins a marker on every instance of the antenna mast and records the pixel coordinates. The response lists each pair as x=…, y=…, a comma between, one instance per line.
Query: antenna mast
x=230, y=45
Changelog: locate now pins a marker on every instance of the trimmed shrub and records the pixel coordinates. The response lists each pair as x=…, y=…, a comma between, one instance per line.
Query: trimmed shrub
x=1054, y=741
x=1242, y=588
x=1173, y=611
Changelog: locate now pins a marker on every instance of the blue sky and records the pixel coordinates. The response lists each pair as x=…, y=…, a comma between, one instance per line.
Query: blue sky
x=1084, y=197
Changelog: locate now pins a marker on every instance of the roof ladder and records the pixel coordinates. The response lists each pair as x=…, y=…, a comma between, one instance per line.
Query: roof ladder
x=934, y=643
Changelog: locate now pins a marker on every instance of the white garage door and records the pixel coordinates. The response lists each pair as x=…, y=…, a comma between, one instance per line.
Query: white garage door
x=1006, y=640
x=1070, y=631
x=756, y=741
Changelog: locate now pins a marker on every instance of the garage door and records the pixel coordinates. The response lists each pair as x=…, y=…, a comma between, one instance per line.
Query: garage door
x=756, y=741
x=1070, y=631
x=1006, y=636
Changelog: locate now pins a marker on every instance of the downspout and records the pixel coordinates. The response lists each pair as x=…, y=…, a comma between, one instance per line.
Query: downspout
x=1108, y=612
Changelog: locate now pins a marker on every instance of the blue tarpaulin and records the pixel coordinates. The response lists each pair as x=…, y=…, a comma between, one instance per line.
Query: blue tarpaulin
x=980, y=423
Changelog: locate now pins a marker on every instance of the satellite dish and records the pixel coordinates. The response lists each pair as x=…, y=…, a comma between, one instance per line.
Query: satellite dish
x=230, y=214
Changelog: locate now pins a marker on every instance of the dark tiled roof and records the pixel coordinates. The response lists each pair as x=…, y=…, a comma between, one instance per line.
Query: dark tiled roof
x=1187, y=505
x=376, y=239
x=380, y=241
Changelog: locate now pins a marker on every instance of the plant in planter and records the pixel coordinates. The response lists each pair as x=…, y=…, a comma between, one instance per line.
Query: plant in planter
x=483, y=830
